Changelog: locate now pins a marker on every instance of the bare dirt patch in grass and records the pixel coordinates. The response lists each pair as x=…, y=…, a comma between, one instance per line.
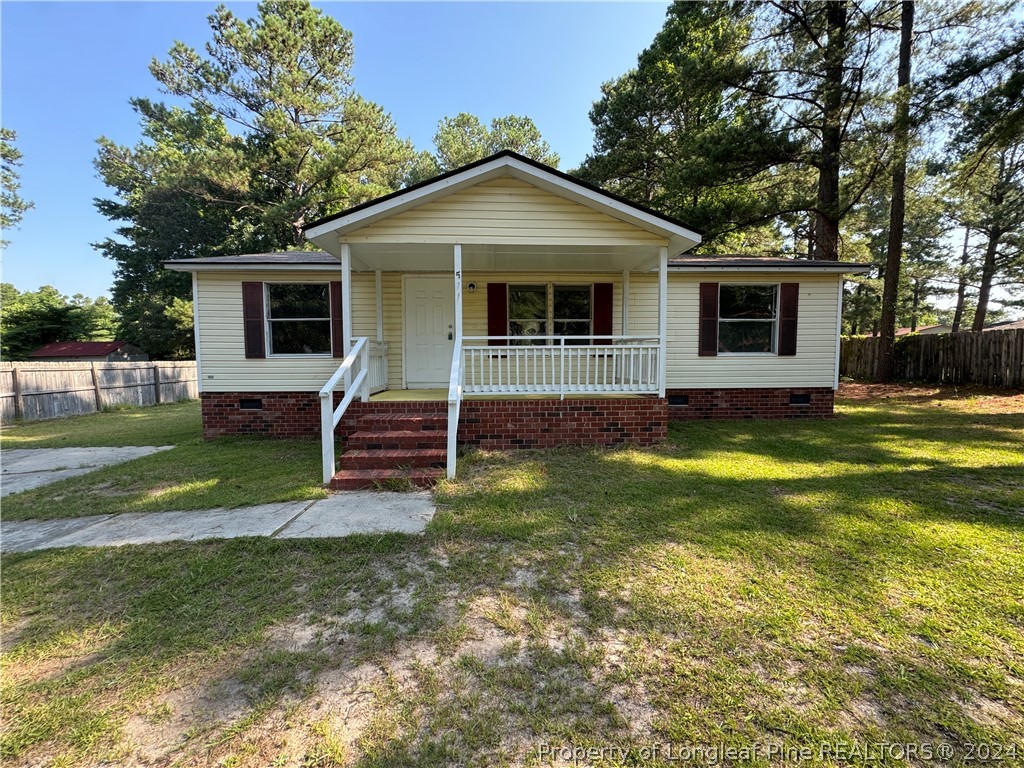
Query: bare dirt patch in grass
x=969, y=397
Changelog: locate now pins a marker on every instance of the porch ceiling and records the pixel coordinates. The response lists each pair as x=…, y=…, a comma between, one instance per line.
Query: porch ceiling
x=439, y=257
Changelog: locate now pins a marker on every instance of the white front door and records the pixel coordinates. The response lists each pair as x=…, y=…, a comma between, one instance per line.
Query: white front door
x=429, y=331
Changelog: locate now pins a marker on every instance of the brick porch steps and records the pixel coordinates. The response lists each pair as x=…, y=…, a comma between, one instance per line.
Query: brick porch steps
x=394, y=448
x=392, y=459
x=360, y=479
x=397, y=439
x=405, y=422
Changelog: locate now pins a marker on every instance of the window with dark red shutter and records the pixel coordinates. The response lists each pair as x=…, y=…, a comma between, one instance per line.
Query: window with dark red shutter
x=789, y=298
x=497, y=313
x=603, y=293
x=707, y=332
x=253, y=320
x=337, y=336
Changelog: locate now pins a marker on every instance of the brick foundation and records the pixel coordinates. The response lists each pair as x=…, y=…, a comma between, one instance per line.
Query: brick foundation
x=504, y=424
x=510, y=424
x=282, y=414
x=492, y=424
x=774, y=403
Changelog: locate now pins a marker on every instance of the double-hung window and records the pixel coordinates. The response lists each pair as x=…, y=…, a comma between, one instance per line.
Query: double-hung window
x=298, y=318
x=528, y=314
x=541, y=310
x=747, y=319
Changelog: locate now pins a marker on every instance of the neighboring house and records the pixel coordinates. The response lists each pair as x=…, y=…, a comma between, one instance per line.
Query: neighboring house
x=504, y=305
x=925, y=330
x=1005, y=325
x=89, y=351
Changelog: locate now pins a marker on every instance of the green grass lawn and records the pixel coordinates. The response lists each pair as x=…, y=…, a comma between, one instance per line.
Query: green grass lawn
x=785, y=585
x=195, y=474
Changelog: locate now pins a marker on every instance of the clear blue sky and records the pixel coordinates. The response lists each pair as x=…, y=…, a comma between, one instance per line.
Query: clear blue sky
x=68, y=70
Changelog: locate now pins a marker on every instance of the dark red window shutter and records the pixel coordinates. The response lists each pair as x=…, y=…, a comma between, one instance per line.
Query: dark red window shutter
x=497, y=312
x=602, y=312
x=337, y=334
x=707, y=333
x=789, y=297
x=253, y=319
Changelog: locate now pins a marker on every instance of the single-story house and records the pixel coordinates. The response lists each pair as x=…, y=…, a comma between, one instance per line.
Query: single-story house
x=89, y=351
x=504, y=305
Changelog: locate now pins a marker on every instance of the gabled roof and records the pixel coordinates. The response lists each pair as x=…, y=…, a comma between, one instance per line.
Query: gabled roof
x=78, y=349
x=505, y=163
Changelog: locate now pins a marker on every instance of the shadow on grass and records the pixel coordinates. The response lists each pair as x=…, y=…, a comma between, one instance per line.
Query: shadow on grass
x=856, y=578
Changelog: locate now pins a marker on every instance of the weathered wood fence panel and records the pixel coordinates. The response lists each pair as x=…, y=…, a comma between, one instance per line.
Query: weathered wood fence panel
x=33, y=390
x=992, y=358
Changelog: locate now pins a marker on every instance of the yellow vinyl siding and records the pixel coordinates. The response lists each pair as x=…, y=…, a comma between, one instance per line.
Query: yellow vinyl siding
x=505, y=211
x=812, y=366
x=224, y=365
x=226, y=369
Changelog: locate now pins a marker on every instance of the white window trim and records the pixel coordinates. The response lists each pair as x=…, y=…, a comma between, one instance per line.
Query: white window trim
x=774, y=352
x=550, y=320
x=267, y=322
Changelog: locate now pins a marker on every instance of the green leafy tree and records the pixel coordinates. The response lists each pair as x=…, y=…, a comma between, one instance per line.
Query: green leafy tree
x=680, y=133
x=998, y=180
x=12, y=205
x=31, y=319
x=464, y=139
x=273, y=136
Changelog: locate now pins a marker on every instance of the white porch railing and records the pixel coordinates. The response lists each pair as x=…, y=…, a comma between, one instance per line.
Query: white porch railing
x=359, y=385
x=604, y=365
x=564, y=365
x=378, y=366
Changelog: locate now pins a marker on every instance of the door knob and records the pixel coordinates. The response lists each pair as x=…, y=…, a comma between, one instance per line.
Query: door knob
x=449, y=335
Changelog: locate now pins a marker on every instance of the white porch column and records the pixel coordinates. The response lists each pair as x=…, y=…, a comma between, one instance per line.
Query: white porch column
x=346, y=305
x=380, y=306
x=625, y=302
x=458, y=293
x=662, y=317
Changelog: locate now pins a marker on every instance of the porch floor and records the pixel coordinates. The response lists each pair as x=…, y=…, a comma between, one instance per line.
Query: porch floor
x=441, y=395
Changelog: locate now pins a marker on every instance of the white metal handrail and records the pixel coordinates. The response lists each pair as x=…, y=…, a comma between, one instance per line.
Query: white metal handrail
x=330, y=416
x=455, y=380
x=621, y=364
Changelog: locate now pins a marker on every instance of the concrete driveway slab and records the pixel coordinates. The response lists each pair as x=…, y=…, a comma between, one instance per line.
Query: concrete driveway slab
x=343, y=514
x=22, y=469
x=156, y=527
x=25, y=535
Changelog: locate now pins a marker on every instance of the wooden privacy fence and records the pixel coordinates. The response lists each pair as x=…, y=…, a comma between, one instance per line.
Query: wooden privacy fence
x=993, y=358
x=46, y=390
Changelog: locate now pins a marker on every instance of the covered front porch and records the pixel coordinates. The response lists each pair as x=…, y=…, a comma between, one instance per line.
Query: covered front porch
x=461, y=335
x=503, y=281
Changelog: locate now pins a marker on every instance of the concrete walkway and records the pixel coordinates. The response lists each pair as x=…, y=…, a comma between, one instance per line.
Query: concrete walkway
x=341, y=514
x=26, y=468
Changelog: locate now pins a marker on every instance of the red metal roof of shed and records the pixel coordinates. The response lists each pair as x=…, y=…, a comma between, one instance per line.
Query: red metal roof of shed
x=78, y=348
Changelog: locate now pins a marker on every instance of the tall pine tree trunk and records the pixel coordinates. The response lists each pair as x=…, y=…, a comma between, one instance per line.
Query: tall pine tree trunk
x=995, y=234
x=826, y=223
x=915, y=305
x=988, y=271
x=897, y=209
x=961, y=287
